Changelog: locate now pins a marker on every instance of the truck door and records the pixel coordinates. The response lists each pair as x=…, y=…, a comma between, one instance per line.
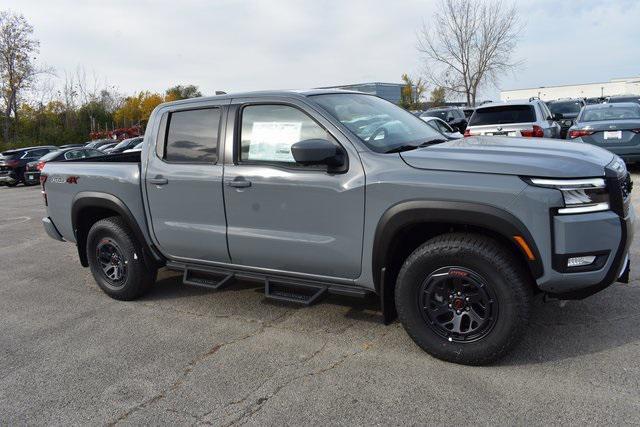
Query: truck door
x=184, y=184
x=282, y=215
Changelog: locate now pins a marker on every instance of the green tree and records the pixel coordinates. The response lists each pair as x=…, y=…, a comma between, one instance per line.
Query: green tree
x=18, y=49
x=181, y=92
x=438, y=97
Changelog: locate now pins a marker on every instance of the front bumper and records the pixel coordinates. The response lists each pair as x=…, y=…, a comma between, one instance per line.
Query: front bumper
x=8, y=178
x=608, y=235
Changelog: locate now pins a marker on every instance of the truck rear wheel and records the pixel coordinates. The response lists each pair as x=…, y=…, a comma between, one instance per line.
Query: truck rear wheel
x=463, y=298
x=115, y=260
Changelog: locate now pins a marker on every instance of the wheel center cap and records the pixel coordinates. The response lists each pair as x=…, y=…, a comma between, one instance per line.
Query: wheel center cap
x=458, y=303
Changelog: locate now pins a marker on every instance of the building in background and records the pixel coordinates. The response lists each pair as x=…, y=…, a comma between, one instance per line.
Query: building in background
x=389, y=91
x=623, y=86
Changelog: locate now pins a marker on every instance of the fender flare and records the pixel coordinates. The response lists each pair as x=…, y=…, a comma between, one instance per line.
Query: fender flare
x=93, y=199
x=463, y=213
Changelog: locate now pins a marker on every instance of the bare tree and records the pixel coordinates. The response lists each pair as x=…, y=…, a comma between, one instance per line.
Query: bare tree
x=469, y=43
x=18, y=49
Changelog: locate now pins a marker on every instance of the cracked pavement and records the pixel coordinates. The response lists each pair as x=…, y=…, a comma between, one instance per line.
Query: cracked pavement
x=183, y=355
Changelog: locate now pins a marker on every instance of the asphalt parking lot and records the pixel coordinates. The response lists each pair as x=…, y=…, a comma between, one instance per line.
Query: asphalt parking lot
x=71, y=355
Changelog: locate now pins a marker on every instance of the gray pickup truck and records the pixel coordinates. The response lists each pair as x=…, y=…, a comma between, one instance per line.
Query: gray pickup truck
x=321, y=191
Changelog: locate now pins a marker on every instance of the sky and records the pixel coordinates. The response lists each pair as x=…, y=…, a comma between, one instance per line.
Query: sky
x=280, y=44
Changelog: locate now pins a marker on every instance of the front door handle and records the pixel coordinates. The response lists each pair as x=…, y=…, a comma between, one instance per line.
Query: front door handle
x=239, y=182
x=158, y=180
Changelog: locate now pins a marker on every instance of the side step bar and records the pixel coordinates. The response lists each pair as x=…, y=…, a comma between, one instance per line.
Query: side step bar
x=289, y=289
x=210, y=279
x=295, y=292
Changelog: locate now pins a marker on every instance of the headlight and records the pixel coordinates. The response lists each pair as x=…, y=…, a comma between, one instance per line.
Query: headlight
x=580, y=195
x=618, y=165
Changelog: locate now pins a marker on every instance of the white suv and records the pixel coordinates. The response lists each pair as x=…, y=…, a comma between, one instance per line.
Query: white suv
x=530, y=118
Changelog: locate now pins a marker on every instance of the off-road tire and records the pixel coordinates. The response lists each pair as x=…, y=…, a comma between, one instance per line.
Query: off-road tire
x=139, y=277
x=503, y=275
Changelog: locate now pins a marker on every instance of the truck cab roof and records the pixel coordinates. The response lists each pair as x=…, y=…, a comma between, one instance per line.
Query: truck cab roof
x=286, y=93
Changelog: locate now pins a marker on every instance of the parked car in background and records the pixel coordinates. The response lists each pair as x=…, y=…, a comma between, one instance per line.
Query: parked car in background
x=33, y=169
x=596, y=100
x=138, y=147
x=99, y=143
x=72, y=145
x=125, y=145
x=565, y=111
x=615, y=127
x=623, y=98
x=454, y=116
x=14, y=162
x=106, y=148
x=529, y=118
x=442, y=127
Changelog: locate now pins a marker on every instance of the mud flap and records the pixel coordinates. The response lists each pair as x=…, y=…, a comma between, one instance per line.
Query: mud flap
x=624, y=276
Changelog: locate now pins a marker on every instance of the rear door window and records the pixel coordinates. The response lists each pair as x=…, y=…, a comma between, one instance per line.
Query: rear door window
x=192, y=136
x=504, y=114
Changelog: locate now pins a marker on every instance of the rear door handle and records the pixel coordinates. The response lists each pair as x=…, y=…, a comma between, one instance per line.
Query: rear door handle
x=239, y=182
x=158, y=180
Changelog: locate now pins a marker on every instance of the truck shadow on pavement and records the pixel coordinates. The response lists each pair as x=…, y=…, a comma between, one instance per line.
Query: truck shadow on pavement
x=581, y=328
x=557, y=332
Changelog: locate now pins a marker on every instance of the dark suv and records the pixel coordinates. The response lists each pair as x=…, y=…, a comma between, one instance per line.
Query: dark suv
x=454, y=116
x=14, y=162
x=565, y=111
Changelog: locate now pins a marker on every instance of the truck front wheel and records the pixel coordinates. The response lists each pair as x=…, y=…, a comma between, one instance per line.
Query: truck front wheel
x=115, y=260
x=463, y=298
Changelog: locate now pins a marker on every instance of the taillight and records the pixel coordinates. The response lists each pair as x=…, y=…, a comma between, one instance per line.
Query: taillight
x=536, y=132
x=43, y=180
x=579, y=133
x=467, y=132
x=40, y=166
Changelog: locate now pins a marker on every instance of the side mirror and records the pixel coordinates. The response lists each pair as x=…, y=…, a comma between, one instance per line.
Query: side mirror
x=450, y=119
x=319, y=152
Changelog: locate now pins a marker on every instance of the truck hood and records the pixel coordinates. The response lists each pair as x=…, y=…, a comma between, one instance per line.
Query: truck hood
x=512, y=156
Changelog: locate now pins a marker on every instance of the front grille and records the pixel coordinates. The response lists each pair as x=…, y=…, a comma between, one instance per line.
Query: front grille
x=626, y=185
x=620, y=187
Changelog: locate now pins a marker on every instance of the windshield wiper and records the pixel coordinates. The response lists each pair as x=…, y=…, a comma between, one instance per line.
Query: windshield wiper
x=407, y=147
x=433, y=142
x=404, y=147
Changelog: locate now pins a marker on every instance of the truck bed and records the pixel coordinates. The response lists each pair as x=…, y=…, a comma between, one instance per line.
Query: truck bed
x=117, y=176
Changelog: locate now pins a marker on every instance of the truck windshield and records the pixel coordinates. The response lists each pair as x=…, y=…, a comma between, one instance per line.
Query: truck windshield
x=381, y=125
